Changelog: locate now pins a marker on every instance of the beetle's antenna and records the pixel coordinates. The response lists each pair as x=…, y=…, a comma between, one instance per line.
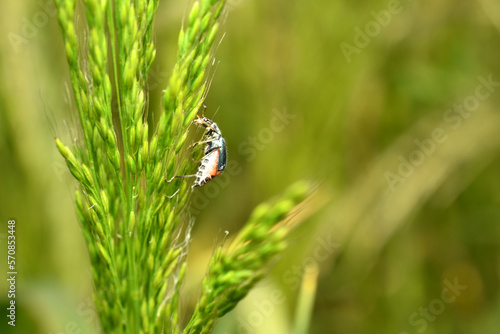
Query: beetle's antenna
x=216, y=111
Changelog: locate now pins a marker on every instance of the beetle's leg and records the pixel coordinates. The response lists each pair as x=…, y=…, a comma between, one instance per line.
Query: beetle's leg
x=207, y=153
x=199, y=160
x=200, y=142
x=171, y=196
x=179, y=176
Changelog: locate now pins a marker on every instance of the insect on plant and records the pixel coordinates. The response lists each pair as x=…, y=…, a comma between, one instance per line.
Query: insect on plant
x=132, y=228
x=214, y=158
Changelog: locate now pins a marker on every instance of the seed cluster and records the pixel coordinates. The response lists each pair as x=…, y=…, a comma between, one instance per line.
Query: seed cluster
x=138, y=235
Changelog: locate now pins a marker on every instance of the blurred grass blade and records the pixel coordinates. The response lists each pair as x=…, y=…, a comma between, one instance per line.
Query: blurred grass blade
x=305, y=303
x=366, y=217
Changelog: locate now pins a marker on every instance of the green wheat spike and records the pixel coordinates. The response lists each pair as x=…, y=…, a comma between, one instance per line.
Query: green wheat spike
x=129, y=220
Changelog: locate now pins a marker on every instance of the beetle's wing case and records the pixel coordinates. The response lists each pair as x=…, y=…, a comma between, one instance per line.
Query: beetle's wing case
x=221, y=165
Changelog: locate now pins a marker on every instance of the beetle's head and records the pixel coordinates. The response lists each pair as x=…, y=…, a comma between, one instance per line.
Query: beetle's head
x=207, y=123
x=203, y=121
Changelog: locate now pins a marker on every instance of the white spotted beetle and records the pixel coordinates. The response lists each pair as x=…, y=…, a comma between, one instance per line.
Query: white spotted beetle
x=214, y=158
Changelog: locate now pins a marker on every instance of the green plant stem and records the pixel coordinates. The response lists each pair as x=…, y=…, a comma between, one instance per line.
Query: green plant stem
x=126, y=198
x=305, y=302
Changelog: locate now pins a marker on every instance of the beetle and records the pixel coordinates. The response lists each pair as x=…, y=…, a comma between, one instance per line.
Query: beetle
x=214, y=158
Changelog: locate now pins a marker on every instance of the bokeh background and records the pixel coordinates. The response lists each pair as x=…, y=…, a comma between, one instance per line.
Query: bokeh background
x=404, y=225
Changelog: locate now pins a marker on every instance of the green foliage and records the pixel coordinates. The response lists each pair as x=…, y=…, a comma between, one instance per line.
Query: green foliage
x=234, y=270
x=385, y=249
x=137, y=232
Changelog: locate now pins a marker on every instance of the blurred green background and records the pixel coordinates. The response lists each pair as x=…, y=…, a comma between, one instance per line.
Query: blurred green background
x=404, y=225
